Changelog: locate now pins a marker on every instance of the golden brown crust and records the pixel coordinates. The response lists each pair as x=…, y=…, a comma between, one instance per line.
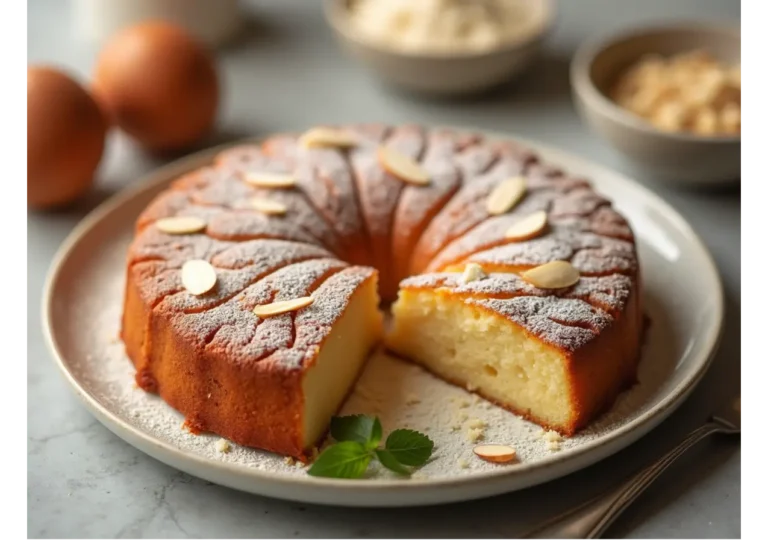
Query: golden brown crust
x=230, y=373
x=254, y=404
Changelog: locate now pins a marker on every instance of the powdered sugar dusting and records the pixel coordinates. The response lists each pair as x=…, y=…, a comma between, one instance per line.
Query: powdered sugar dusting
x=383, y=390
x=378, y=190
x=609, y=292
x=542, y=176
x=467, y=208
x=476, y=159
x=290, y=282
x=263, y=258
x=98, y=362
x=153, y=244
x=489, y=233
x=266, y=253
x=324, y=176
x=575, y=217
x=313, y=324
x=232, y=193
x=418, y=204
x=590, y=253
x=241, y=157
x=252, y=337
x=606, y=259
x=240, y=226
x=527, y=253
x=567, y=318
x=444, y=412
x=606, y=221
x=557, y=321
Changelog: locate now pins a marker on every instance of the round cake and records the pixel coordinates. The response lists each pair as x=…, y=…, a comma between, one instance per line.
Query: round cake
x=254, y=283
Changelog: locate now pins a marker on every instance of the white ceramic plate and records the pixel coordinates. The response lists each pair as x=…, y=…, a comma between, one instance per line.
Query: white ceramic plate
x=682, y=293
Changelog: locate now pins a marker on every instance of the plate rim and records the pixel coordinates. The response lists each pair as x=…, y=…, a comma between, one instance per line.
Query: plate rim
x=568, y=461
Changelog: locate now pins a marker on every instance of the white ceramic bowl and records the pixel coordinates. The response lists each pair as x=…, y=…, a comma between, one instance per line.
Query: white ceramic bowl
x=444, y=73
x=679, y=157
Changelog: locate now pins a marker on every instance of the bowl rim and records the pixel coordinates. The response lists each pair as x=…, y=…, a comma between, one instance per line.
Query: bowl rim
x=584, y=86
x=335, y=16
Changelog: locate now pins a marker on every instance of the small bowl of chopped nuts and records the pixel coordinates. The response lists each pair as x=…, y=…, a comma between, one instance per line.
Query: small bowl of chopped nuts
x=442, y=47
x=668, y=98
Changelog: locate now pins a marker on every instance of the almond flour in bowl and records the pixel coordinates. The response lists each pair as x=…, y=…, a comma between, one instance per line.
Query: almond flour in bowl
x=442, y=26
x=442, y=47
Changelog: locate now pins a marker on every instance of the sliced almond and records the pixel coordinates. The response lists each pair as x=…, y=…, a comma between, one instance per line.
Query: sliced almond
x=506, y=195
x=402, y=167
x=180, y=225
x=265, y=179
x=198, y=277
x=268, y=206
x=281, y=307
x=472, y=272
x=527, y=228
x=495, y=453
x=552, y=275
x=327, y=137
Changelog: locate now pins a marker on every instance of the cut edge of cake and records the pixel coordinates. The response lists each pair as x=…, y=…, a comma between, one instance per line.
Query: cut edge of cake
x=468, y=343
x=330, y=379
x=295, y=404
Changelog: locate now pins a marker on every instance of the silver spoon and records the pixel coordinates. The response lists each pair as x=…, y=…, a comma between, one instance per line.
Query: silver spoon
x=590, y=520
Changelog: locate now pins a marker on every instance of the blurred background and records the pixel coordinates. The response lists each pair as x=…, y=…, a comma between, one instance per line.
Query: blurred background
x=282, y=66
x=289, y=64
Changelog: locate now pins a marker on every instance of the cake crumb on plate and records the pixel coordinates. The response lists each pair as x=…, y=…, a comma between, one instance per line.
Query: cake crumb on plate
x=477, y=423
x=222, y=446
x=474, y=435
x=551, y=436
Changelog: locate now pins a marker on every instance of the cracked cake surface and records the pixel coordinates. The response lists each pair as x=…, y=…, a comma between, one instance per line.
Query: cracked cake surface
x=344, y=231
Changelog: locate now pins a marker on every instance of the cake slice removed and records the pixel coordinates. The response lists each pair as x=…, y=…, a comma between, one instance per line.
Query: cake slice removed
x=269, y=380
x=557, y=360
x=328, y=380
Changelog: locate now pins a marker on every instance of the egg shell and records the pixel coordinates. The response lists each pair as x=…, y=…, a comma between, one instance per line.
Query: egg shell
x=65, y=138
x=158, y=84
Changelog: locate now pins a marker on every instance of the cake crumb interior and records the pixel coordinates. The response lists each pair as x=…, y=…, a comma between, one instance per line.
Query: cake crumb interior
x=481, y=351
x=327, y=382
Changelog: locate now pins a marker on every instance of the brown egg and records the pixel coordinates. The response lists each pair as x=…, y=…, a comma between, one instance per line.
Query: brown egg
x=158, y=84
x=65, y=138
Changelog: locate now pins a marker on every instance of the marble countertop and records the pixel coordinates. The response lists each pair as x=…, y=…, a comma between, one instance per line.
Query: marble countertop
x=286, y=71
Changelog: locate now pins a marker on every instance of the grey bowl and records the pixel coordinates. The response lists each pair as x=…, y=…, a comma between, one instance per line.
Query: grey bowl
x=678, y=157
x=442, y=74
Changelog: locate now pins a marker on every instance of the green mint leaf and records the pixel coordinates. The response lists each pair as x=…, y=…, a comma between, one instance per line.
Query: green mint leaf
x=342, y=460
x=386, y=458
x=376, y=432
x=409, y=447
x=357, y=428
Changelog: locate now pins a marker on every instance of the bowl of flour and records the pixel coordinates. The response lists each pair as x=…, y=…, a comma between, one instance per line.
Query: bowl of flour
x=442, y=47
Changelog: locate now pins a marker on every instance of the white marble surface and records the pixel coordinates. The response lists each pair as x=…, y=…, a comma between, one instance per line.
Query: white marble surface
x=287, y=72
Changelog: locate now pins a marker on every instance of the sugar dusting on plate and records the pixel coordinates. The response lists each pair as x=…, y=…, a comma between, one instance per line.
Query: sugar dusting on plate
x=402, y=394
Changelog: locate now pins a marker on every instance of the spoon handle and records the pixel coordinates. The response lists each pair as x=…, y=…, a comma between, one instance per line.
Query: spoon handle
x=591, y=519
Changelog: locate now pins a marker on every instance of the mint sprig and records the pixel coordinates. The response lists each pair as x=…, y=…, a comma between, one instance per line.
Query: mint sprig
x=358, y=439
x=343, y=460
x=409, y=447
x=358, y=428
x=388, y=459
